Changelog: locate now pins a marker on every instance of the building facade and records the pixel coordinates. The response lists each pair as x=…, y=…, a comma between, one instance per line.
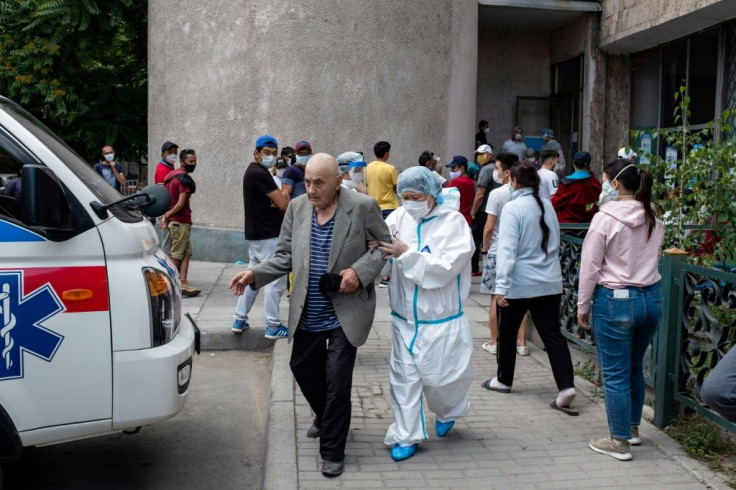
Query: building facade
x=419, y=74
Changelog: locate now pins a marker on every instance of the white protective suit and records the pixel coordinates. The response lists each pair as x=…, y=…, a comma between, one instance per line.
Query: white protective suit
x=432, y=341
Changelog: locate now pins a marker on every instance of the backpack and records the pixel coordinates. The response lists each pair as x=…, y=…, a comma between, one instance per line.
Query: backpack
x=185, y=179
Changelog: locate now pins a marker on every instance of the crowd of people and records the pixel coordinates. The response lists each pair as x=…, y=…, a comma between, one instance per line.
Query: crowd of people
x=331, y=230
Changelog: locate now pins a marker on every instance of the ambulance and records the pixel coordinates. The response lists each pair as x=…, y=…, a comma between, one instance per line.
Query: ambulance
x=92, y=338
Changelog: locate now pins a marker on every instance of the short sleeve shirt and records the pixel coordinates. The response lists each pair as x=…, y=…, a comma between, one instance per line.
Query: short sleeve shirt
x=262, y=218
x=496, y=201
x=162, y=170
x=294, y=176
x=381, y=177
x=175, y=188
x=107, y=174
x=548, y=182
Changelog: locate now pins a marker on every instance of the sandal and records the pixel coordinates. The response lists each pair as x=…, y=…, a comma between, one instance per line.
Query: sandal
x=487, y=385
x=566, y=410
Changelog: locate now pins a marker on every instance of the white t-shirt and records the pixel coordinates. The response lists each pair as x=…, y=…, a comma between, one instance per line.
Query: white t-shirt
x=497, y=199
x=548, y=182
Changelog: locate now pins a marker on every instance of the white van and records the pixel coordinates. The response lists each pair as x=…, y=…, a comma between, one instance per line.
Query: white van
x=92, y=340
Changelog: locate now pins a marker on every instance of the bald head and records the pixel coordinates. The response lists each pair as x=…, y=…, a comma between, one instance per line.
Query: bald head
x=323, y=164
x=322, y=180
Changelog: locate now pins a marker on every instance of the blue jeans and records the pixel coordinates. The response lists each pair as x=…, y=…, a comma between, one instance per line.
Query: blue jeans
x=623, y=328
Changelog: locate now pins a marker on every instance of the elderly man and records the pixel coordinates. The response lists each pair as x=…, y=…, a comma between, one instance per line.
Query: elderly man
x=324, y=238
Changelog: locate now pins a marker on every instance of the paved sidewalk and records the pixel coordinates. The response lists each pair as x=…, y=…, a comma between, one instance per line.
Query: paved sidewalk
x=507, y=441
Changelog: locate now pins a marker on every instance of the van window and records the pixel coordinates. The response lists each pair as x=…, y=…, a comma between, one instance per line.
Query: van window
x=101, y=189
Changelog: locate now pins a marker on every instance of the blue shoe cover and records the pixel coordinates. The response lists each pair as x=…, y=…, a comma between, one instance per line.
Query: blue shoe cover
x=400, y=453
x=442, y=428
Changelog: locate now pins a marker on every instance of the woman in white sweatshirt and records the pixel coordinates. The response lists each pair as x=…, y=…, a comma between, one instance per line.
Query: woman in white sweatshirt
x=618, y=272
x=528, y=278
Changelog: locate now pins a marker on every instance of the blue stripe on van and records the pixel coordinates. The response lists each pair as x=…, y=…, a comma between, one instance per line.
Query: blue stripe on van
x=14, y=233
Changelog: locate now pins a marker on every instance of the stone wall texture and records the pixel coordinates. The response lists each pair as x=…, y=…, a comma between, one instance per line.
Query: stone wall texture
x=341, y=75
x=623, y=18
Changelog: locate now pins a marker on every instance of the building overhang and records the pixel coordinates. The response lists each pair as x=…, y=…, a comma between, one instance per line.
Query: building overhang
x=655, y=35
x=532, y=14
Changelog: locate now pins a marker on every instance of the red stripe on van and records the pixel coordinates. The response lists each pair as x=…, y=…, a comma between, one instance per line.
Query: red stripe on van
x=62, y=279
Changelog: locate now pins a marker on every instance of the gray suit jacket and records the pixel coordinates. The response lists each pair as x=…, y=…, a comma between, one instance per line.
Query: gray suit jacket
x=357, y=219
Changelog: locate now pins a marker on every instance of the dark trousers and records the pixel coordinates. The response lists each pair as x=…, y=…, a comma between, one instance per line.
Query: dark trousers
x=476, y=228
x=545, y=311
x=322, y=363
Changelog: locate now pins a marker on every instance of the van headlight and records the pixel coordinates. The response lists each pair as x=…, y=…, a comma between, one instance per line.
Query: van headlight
x=165, y=303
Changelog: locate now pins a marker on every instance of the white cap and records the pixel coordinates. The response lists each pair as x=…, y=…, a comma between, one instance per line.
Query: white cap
x=484, y=149
x=626, y=155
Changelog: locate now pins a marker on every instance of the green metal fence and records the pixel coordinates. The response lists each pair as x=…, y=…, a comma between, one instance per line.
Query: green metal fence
x=698, y=327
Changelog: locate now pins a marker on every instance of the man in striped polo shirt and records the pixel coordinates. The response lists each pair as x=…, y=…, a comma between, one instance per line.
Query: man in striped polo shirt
x=325, y=239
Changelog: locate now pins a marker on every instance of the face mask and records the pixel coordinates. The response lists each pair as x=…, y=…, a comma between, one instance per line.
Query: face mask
x=171, y=158
x=268, y=161
x=417, y=209
x=357, y=176
x=303, y=159
x=487, y=130
x=518, y=136
x=456, y=174
x=280, y=172
x=110, y=157
x=287, y=160
x=497, y=178
x=482, y=159
x=608, y=193
x=189, y=168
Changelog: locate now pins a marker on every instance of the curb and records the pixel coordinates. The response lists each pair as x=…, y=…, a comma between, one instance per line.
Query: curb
x=281, y=464
x=226, y=339
x=659, y=439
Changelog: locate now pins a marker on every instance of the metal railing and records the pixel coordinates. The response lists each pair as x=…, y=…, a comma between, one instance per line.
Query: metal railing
x=698, y=326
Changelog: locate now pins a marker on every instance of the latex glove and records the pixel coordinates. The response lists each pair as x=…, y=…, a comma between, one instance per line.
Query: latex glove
x=240, y=280
x=393, y=249
x=350, y=281
x=584, y=320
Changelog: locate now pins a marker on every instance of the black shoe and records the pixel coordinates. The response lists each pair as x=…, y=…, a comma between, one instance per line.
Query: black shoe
x=332, y=468
x=313, y=431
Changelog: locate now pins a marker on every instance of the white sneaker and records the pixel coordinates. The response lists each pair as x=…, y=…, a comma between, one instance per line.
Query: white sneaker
x=490, y=348
x=635, y=440
x=522, y=350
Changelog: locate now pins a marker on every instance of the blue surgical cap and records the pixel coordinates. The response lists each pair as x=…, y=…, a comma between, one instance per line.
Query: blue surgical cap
x=419, y=179
x=266, y=140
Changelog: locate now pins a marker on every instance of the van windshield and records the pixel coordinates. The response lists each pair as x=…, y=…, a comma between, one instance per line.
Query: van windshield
x=101, y=189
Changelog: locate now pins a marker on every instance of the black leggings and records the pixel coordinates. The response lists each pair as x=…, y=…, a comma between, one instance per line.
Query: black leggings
x=545, y=311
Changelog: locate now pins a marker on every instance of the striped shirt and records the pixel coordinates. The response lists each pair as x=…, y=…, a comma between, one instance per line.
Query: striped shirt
x=318, y=314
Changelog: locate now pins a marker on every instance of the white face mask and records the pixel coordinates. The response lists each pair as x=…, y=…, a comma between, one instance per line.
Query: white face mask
x=497, y=178
x=280, y=172
x=455, y=174
x=171, y=158
x=518, y=136
x=417, y=209
x=110, y=157
x=487, y=130
x=302, y=160
x=357, y=176
x=268, y=161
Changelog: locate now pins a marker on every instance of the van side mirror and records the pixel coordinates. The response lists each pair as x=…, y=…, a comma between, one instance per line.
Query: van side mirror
x=156, y=202
x=43, y=202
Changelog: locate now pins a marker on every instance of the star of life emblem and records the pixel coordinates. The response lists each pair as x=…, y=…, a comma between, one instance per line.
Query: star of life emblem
x=21, y=319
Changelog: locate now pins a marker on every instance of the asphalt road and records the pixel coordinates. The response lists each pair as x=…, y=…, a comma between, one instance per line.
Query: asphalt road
x=217, y=441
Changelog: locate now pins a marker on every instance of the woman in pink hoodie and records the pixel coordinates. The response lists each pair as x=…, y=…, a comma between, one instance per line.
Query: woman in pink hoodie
x=618, y=272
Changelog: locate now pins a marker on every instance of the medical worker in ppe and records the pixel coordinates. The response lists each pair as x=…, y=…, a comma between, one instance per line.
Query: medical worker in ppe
x=432, y=343
x=355, y=163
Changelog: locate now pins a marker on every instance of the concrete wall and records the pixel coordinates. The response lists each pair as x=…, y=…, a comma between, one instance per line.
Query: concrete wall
x=635, y=25
x=511, y=62
x=342, y=75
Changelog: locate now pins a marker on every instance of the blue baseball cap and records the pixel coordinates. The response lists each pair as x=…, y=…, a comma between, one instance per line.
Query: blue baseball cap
x=458, y=161
x=266, y=140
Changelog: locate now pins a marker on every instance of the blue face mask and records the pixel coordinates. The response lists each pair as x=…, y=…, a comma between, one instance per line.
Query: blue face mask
x=302, y=160
x=608, y=189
